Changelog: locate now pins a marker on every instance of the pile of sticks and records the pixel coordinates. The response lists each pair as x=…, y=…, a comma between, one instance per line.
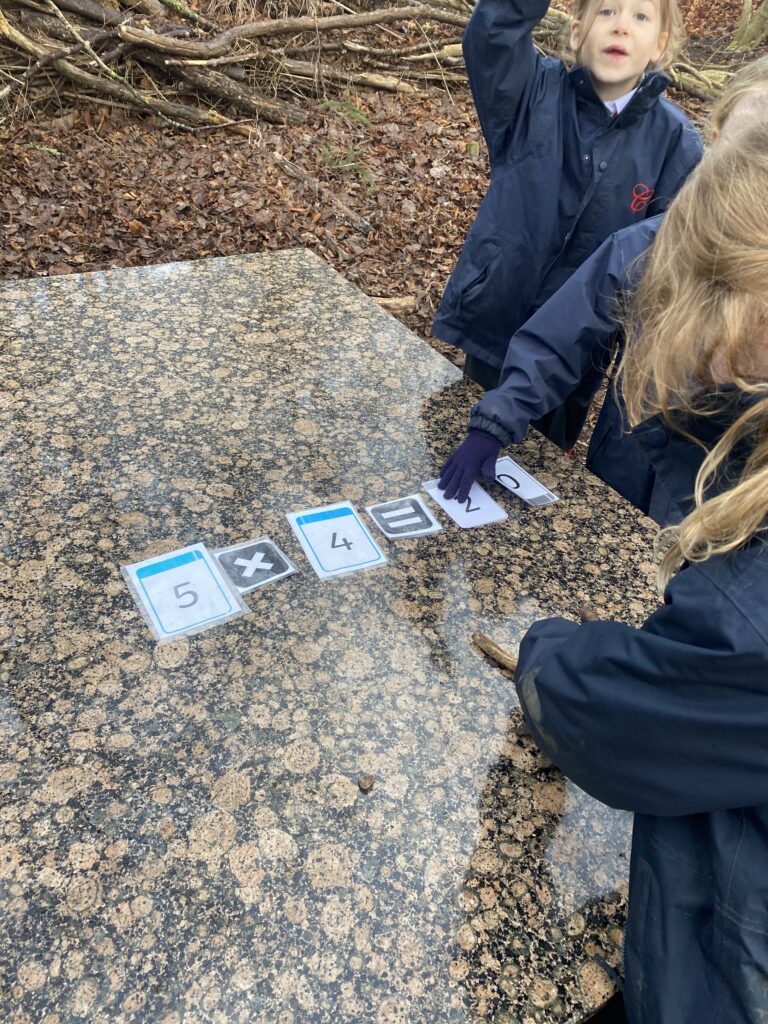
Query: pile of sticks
x=163, y=58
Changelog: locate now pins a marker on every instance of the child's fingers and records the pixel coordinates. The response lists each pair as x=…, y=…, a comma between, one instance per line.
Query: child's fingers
x=465, y=485
x=450, y=478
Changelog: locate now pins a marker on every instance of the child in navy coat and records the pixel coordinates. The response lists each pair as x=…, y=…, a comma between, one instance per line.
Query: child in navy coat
x=575, y=155
x=670, y=720
x=573, y=338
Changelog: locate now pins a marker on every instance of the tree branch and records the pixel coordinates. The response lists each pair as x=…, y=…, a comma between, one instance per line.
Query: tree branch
x=219, y=45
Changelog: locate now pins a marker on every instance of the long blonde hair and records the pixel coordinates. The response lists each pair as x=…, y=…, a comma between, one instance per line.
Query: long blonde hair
x=671, y=25
x=699, y=319
x=751, y=81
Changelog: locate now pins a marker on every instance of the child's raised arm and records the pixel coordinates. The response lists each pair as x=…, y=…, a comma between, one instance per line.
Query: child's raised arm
x=501, y=61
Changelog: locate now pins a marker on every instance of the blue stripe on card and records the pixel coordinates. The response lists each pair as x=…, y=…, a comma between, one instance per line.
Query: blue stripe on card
x=318, y=517
x=169, y=563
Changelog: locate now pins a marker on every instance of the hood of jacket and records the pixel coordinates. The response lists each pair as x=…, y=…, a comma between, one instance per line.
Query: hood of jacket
x=678, y=450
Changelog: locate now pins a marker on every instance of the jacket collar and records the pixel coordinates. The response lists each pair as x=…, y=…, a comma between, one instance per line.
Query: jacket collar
x=651, y=86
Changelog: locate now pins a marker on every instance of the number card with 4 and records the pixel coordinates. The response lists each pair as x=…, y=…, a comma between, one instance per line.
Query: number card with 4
x=335, y=540
x=182, y=592
x=478, y=510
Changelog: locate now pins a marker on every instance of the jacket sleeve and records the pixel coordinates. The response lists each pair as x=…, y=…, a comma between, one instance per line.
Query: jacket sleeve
x=682, y=156
x=669, y=719
x=565, y=340
x=501, y=62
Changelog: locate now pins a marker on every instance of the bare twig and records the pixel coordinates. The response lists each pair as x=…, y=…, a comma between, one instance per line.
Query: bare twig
x=312, y=71
x=70, y=51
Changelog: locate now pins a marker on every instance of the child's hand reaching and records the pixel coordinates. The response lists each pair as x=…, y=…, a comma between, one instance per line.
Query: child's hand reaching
x=476, y=454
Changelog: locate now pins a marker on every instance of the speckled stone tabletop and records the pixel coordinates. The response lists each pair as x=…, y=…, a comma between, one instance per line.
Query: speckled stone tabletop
x=182, y=835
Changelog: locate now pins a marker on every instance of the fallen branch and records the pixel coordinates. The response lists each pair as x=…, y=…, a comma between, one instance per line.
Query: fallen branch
x=222, y=86
x=380, y=51
x=175, y=113
x=451, y=53
x=219, y=45
x=50, y=58
x=152, y=8
x=396, y=304
x=83, y=8
x=294, y=171
x=312, y=71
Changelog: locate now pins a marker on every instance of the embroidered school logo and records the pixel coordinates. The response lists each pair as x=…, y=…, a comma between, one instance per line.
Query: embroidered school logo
x=641, y=196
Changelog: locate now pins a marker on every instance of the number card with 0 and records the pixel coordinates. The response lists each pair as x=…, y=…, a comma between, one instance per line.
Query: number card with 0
x=512, y=476
x=182, y=592
x=335, y=540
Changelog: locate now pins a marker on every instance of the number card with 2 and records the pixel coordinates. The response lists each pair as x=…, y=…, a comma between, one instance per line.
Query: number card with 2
x=335, y=540
x=182, y=592
x=478, y=510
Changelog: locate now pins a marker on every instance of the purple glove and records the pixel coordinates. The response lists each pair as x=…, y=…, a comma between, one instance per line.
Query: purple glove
x=476, y=454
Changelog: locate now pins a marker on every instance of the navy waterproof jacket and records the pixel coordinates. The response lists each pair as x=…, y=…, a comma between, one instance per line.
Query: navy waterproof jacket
x=564, y=175
x=571, y=340
x=671, y=721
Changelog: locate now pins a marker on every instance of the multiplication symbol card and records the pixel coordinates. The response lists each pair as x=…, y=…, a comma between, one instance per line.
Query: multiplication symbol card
x=254, y=563
x=525, y=486
x=478, y=510
x=182, y=592
x=335, y=539
x=404, y=517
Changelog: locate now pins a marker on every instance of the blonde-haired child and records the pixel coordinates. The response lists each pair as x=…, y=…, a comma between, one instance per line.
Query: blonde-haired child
x=670, y=27
x=670, y=720
x=575, y=154
x=746, y=95
x=572, y=339
x=697, y=345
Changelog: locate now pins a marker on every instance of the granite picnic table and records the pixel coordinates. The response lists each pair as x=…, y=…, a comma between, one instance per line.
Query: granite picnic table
x=182, y=834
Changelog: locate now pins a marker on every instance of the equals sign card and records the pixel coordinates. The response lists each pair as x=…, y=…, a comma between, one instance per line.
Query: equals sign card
x=404, y=517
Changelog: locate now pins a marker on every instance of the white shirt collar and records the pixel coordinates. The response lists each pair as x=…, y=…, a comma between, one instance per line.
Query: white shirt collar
x=615, y=107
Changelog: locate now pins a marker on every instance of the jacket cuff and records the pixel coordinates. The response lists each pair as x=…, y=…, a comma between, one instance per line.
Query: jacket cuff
x=479, y=422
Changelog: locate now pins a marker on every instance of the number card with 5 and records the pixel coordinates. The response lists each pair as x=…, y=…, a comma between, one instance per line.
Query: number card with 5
x=182, y=592
x=335, y=540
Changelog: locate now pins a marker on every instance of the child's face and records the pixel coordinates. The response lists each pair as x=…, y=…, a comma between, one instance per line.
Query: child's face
x=622, y=40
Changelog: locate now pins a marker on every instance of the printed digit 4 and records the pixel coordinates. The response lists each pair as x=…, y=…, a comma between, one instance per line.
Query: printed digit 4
x=343, y=543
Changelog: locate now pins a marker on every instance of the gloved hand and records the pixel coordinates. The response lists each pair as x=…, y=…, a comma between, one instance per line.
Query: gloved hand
x=476, y=454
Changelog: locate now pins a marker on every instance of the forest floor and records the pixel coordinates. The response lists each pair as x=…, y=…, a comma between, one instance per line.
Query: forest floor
x=85, y=187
